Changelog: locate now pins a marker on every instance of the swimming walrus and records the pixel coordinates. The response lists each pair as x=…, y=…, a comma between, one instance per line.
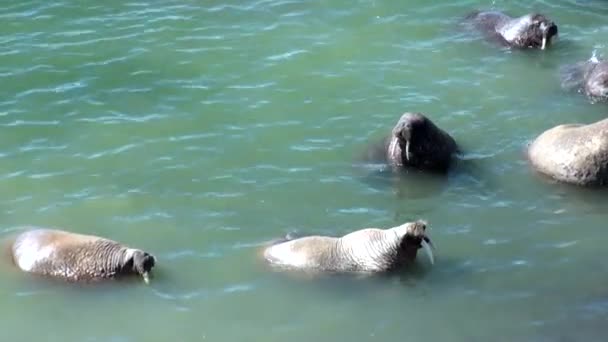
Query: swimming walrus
x=589, y=77
x=77, y=257
x=573, y=153
x=416, y=142
x=370, y=250
x=528, y=31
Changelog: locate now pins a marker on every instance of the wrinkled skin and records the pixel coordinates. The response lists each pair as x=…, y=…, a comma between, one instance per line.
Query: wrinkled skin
x=416, y=142
x=76, y=257
x=589, y=77
x=528, y=31
x=575, y=154
x=370, y=250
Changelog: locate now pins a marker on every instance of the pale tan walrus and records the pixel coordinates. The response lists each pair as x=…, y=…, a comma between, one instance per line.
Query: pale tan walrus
x=370, y=250
x=573, y=153
x=77, y=257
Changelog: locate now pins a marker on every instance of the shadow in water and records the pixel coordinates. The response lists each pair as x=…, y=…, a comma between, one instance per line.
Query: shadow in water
x=467, y=172
x=407, y=183
x=420, y=277
x=592, y=199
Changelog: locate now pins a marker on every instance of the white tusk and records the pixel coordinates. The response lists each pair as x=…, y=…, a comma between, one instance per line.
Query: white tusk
x=393, y=147
x=428, y=251
x=146, y=278
x=407, y=150
x=542, y=47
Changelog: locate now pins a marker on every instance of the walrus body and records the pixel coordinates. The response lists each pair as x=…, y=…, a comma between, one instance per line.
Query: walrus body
x=76, y=257
x=576, y=154
x=416, y=142
x=369, y=250
x=528, y=31
x=589, y=77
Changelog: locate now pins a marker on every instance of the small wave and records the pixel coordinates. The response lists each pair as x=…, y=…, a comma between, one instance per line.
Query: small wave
x=184, y=296
x=252, y=86
x=114, y=151
x=143, y=217
x=62, y=88
x=188, y=253
x=238, y=288
x=12, y=174
x=286, y=55
x=220, y=8
x=58, y=46
x=49, y=174
x=106, y=62
x=121, y=118
x=358, y=211
x=73, y=33
x=310, y=148
x=221, y=194
x=31, y=123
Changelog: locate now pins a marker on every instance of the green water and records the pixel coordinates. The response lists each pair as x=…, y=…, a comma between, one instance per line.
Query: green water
x=198, y=130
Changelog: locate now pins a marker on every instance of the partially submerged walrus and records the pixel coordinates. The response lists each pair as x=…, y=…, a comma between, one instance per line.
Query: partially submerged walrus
x=370, y=250
x=574, y=153
x=416, y=142
x=77, y=257
x=528, y=31
x=589, y=77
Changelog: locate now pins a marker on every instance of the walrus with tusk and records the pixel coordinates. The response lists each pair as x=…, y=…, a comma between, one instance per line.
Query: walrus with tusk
x=528, y=31
x=76, y=257
x=417, y=142
x=370, y=250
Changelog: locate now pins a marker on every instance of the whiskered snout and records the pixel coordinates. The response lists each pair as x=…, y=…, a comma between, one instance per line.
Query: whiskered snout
x=416, y=233
x=143, y=263
x=407, y=124
x=549, y=31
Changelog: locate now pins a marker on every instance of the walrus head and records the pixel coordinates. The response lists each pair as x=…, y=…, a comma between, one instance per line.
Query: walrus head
x=412, y=133
x=596, y=84
x=530, y=31
x=414, y=238
x=139, y=262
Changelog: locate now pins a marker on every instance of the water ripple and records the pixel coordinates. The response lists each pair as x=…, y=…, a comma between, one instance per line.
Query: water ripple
x=31, y=123
x=62, y=88
x=286, y=55
x=118, y=118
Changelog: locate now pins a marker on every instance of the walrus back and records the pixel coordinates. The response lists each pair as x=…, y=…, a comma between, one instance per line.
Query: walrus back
x=312, y=252
x=66, y=255
x=31, y=248
x=487, y=20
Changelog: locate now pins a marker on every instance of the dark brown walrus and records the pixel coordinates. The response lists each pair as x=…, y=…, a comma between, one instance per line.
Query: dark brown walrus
x=574, y=153
x=529, y=31
x=416, y=142
x=370, y=250
x=77, y=257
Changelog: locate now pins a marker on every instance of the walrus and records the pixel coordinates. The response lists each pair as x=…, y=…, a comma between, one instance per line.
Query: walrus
x=76, y=257
x=589, y=77
x=528, y=31
x=369, y=250
x=416, y=142
x=573, y=153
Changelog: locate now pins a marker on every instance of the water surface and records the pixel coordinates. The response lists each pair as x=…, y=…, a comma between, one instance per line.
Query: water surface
x=199, y=130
